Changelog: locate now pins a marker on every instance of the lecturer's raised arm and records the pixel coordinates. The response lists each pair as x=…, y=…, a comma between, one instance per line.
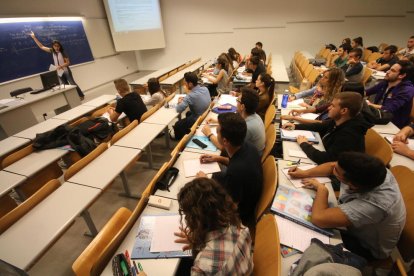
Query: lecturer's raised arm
x=41, y=46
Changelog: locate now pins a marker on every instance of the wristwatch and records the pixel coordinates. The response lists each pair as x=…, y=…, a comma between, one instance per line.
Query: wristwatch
x=208, y=136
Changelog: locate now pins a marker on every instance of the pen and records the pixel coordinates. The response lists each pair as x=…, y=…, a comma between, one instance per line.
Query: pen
x=127, y=257
x=135, y=266
x=140, y=267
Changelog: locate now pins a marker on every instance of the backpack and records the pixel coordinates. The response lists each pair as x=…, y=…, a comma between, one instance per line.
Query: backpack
x=52, y=139
x=98, y=128
x=79, y=142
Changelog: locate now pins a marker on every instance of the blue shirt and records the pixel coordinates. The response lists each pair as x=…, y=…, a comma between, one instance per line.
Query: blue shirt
x=198, y=100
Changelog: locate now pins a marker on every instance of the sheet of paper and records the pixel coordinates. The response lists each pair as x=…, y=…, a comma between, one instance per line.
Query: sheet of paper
x=309, y=116
x=212, y=128
x=6, y=101
x=297, y=236
x=297, y=153
x=410, y=141
x=295, y=133
x=295, y=104
x=227, y=99
x=298, y=181
x=193, y=166
x=163, y=235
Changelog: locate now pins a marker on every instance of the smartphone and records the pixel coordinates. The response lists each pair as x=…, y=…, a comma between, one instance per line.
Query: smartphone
x=199, y=143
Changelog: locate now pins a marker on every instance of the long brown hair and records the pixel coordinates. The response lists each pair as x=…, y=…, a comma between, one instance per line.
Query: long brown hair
x=335, y=81
x=205, y=206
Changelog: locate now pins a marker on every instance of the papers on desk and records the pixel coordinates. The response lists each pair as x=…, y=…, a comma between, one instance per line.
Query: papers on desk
x=163, y=235
x=294, y=235
x=297, y=153
x=6, y=101
x=309, y=116
x=227, y=99
x=213, y=129
x=291, y=135
x=410, y=141
x=193, y=166
x=295, y=104
x=146, y=230
x=297, y=182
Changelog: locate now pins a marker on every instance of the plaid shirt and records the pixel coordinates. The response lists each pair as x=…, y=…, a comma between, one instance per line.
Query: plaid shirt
x=227, y=252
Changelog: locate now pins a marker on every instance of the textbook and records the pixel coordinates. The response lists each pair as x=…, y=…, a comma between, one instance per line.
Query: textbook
x=144, y=245
x=291, y=135
x=296, y=206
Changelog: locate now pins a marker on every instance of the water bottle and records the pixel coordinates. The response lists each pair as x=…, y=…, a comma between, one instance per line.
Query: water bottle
x=285, y=100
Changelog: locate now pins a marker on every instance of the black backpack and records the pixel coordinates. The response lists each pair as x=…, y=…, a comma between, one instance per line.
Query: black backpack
x=52, y=139
x=79, y=142
x=98, y=128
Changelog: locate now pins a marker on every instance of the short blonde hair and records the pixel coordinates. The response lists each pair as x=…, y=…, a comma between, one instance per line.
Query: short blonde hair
x=122, y=86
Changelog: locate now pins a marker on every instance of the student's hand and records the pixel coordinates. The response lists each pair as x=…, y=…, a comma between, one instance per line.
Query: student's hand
x=304, y=105
x=182, y=238
x=301, y=139
x=211, y=121
x=201, y=174
x=32, y=35
x=312, y=184
x=288, y=126
x=234, y=93
x=400, y=137
x=296, y=112
x=351, y=61
x=400, y=147
x=208, y=158
x=291, y=98
x=287, y=117
x=206, y=130
x=180, y=100
x=295, y=172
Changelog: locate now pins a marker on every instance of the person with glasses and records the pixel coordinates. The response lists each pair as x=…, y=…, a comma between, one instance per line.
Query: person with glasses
x=370, y=205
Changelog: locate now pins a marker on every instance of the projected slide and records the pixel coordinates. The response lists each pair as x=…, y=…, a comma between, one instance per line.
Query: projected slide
x=132, y=15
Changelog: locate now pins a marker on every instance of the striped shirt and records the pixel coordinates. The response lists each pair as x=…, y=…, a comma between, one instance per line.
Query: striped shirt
x=227, y=252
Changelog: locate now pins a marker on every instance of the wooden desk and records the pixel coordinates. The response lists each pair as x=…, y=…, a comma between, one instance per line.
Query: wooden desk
x=100, y=101
x=150, y=266
x=398, y=159
x=141, y=136
x=181, y=180
x=279, y=72
x=177, y=77
x=101, y=171
x=20, y=116
x=44, y=126
x=162, y=116
x=389, y=128
x=8, y=181
x=25, y=241
x=287, y=146
x=11, y=144
x=75, y=113
x=34, y=162
x=282, y=180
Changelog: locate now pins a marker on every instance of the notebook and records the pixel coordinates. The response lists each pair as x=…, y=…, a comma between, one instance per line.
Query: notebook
x=143, y=240
x=193, y=166
x=291, y=135
x=297, y=182
x=204, y=139
x=296, y=206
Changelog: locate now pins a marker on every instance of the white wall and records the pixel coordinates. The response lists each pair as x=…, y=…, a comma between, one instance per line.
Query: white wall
x=207, y=28
x=108, y=64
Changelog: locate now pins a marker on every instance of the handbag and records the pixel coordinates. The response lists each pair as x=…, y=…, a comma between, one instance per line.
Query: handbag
x=167, y=179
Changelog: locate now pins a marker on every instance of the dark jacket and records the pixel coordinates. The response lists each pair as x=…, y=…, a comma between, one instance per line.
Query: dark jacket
x=349, y=136
x=397, y=101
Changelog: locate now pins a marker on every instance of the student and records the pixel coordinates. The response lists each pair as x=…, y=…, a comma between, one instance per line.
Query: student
x=247, y=103
x=344, y=132
x=243, y=177
x=322, y=94
x=130, y=103
x=395, y=93
x=387, y=60
x=346, y=41
x=220, y=80
x=354, y=70
x=198, y=100
x=357, y=43
x=342, y=58
x=61, y=61
x=257, y=68
x=409, y=50
x=235, y=57
x=370, y=204
x=266, y=86
x=157, y=94
x=262, y=53
x=211, y=228
x=400, y=142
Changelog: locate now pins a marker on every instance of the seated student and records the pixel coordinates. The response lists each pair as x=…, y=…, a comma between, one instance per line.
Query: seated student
x=266, y=85
x=247, y=103
x=344, y=132
x=399, y=144
x=322, y=94
x=262, y=53
x=211, y=227
x=198, y=100
x=229, y=64
x=346, y=40
x=370, y=204
x=257, y=68
x=395, y=93
x=157, y=94
x=357, y=43
x=342, y=57
x=220, y=80
x=387, y=60
x=235, y=57
x=130, y=103
x=409, y=50
x=354, y=70
x=243, y=177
